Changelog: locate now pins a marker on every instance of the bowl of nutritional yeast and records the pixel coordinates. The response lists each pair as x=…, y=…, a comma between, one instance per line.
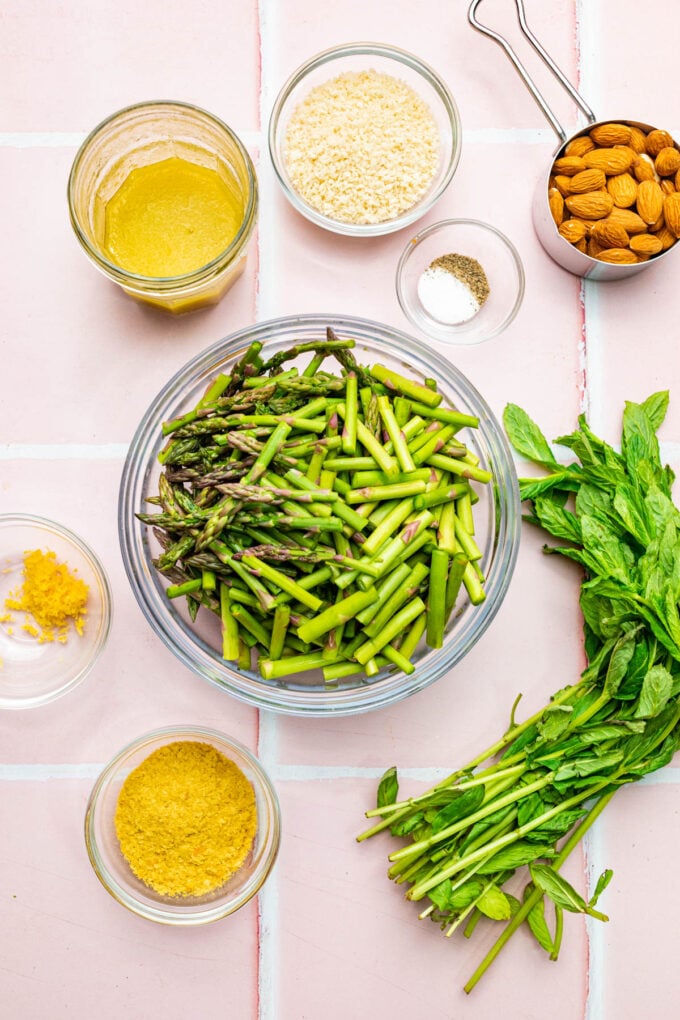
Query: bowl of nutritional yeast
x=319, y=515
x=364, y=138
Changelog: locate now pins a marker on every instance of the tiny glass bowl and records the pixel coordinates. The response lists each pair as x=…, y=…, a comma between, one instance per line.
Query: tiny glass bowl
x=399, y=64
x=498, y=258
x=33, y=673
x=113, y=870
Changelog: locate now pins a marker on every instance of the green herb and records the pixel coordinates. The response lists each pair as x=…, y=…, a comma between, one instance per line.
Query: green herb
x=286, y=506
x=530, y=798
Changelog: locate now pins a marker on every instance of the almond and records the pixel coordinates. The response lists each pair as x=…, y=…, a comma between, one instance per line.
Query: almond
x=644, y=168
x=618, y=256
x=623, y=189
x=556, y=203
x=629, y=220
x=649, y=201
x=594, y=248
x=658, y=140
x=667, y=239
x=591, y=206
x=606, y=135
x=657, y=225
x=587, y=180
x=579, y=146
x=569, y=165
x=609, y=234
x=667, y=162
x=611, y=161
x=677, y=181
x=671, y=210
x=573, y=230
x=646, y=244
x=582, y=245
x=667, y=186
x=563, y=184
x=638, y=140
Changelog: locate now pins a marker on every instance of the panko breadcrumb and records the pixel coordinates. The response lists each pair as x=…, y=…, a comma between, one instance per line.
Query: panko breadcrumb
x=362, y=147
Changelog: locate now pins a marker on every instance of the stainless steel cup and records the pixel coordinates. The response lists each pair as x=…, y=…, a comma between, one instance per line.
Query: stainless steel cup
x=560, y=250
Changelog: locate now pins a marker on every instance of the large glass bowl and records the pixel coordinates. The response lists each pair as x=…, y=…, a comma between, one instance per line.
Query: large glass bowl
x=198, y=644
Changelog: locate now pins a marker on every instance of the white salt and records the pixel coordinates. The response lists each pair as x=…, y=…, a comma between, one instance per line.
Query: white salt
x=446, y=298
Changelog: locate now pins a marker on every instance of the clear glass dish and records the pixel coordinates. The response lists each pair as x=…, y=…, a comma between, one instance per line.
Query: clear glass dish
x=198, y=644
x=365, y=56
x=147, y=133
x=34, y=673
x=500, y=261
x=115, y=873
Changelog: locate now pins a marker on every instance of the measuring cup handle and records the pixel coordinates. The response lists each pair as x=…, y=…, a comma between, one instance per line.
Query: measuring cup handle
x=522, y=71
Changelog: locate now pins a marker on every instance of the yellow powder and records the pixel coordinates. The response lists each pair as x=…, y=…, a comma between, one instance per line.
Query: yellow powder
x=51, y=595
x=362, y=147
x=170, y=218
x=186, y=819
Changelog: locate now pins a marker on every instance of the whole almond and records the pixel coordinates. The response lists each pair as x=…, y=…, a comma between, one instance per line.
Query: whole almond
x=610, y=134
x=629, y=220
x=611, y=161
x=657, y=225
x=667, y=239
x=582, y=245
x=609, y=234
x=569, y=165
x=594, y=248
x=667, y=186
x=656, y=141
x=667, y=162
x=579, y=146
x=563, y=184
x=591, y=206
x=638, y=140
x=645, y=244
x=623, y=189
x=671, y=210
x=618, y=256
x=556, y=203
x=649, y=201
x=587, y=180
x=644, y=168
x=677, y=181
x=573, y=230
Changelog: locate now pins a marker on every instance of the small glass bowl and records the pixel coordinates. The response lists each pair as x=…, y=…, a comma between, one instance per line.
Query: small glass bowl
x=31, y=673
x=365, y=56
x=497, y=256
x=147, y=133
x=198, y=644
x=115, y=873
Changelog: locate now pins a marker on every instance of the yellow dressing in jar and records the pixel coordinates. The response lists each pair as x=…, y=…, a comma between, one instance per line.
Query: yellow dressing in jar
x=169, y=218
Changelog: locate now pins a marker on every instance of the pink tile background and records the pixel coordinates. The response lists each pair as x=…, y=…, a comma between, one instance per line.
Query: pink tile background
x=79, y=362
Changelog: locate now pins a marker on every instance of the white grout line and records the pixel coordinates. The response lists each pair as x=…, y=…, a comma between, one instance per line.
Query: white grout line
x=258, y=139
x=73, y=139
x=591, y=353
x=43, y=772
x=63, y=451
x=268, y=968
x=594, y=853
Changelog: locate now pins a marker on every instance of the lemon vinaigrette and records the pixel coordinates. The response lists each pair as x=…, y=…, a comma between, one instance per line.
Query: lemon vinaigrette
x=170, y=218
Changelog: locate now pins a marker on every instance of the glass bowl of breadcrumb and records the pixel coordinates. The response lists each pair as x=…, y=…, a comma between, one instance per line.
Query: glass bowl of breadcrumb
x=364, y=139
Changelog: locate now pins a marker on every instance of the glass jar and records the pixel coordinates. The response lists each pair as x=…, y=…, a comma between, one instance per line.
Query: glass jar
x=148, y=133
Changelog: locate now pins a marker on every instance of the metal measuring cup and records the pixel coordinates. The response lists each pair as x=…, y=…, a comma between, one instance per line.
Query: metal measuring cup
x=560, y=250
